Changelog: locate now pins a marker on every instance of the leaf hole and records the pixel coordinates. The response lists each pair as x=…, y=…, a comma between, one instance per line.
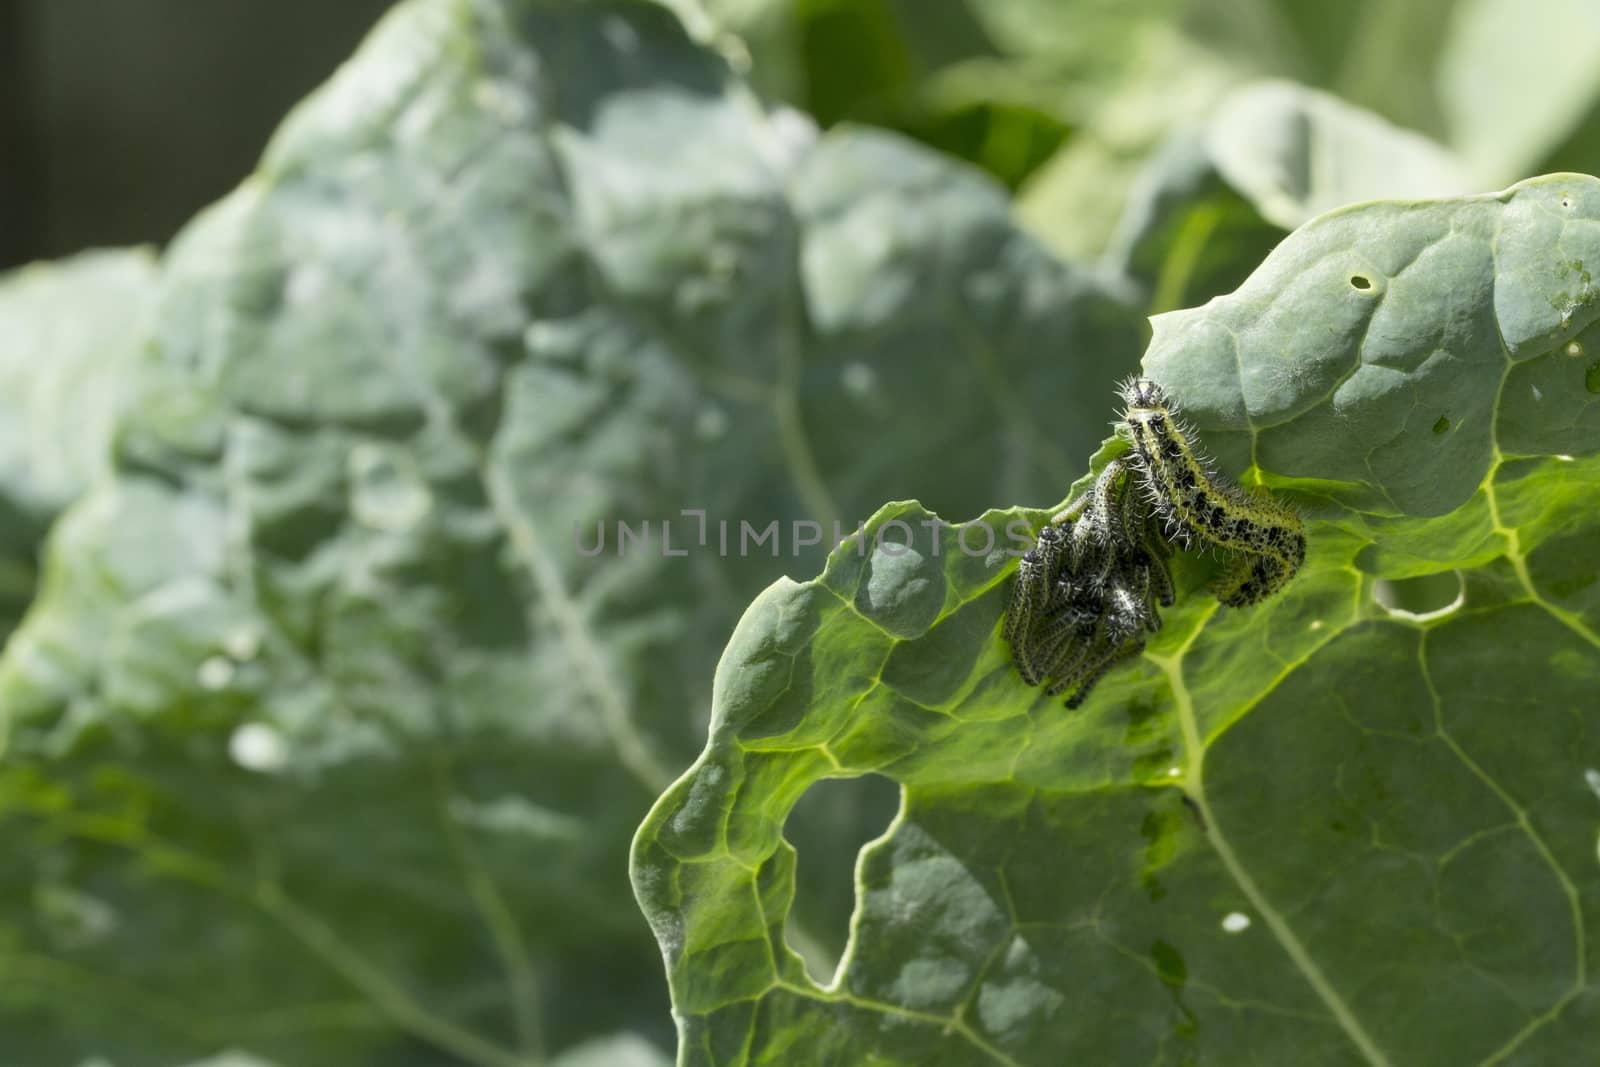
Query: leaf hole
x=1421, y=599
x=828, y=827
x=1360, y=281
x=1566, y=201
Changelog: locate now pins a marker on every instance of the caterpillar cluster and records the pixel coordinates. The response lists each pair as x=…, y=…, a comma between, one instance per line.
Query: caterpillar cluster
x=1088, y=593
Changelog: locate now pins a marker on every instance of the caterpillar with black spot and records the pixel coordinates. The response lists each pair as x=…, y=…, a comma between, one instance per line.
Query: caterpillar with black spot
x=1091, y=588
x=1198, y=506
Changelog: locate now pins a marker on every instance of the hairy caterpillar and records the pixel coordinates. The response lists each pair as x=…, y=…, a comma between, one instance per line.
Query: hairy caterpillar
x=1090, y=590
x=1031, y=596
x=1197, y=506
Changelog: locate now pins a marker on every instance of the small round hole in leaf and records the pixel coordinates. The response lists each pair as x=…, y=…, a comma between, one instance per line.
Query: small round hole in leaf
x=1419, y=599
x=1442, y=425
x=1360, y=281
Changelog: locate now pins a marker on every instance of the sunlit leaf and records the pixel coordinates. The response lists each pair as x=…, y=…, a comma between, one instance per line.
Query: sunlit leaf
x=1355, y=824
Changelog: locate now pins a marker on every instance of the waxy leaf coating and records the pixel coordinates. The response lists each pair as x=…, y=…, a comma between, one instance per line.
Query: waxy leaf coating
x=1354, y=824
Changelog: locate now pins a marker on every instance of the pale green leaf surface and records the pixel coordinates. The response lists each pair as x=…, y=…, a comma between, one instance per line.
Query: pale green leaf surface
x=1296, y=153
x=324, y=740
x=1217, y=197
x=1319, y=831
x=1514, y=80
x=1074, y=201
x=1501, y=83
x=1186, y=234
x=1490, y=88
x=71, y=339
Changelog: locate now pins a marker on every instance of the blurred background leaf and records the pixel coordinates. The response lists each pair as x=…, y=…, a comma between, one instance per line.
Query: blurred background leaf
x=1071, y=100
x=72, y=335
x=320, y=685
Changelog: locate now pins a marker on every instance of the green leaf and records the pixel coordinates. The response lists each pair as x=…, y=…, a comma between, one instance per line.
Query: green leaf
x=1074, y=201
x=325, y=738
x=926, y=68
x=71, y=340
x=1296, y=153
x=1104, y=83
x=1185, y=234
x=1378, y=56
x=1497, y=117
x=1454, y=71
x=1325, y=830
x=1214, y=200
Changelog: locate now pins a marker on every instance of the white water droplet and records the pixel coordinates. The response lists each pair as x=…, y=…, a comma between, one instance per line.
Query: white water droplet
x=387, y=492
x=255, y=746
x=1174, y=772
x=1235, y=922
x=215, y=673
x=558, y=340
x=1574, y=348
x=242, y=643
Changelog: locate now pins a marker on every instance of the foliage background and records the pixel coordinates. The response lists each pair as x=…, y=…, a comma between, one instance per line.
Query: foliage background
x=291, y=781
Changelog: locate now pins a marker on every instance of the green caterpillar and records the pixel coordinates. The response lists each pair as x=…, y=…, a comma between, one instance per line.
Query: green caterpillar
x=1197, y=506
x=1089, y=591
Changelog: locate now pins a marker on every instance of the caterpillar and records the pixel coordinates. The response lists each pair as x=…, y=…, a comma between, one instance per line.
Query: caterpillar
x=1031, y=596
x=1090, y=590
x=1198, y=507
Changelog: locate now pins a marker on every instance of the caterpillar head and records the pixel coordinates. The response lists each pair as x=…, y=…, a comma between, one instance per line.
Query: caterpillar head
x=1143, y=393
